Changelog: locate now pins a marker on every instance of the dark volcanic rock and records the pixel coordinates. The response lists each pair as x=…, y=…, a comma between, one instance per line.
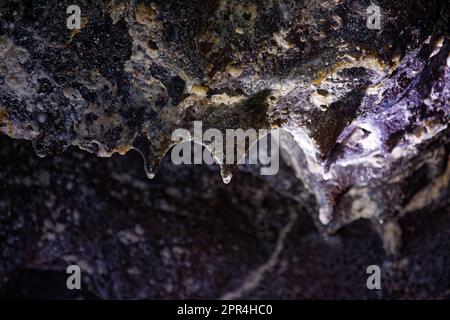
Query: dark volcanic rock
x=170, y=238
x=362, y=116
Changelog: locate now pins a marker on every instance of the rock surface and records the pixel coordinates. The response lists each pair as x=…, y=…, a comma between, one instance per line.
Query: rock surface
x=363, y=119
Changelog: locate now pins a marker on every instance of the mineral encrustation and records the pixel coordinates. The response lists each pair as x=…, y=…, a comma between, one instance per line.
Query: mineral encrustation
x=362, y=113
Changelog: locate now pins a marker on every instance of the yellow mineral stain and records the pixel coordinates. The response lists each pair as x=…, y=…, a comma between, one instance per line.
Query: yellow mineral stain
x=122, y=150
x=3, y=116
x=144, y=14
x=368, y=62
x=199, y=90
x=4, y=120
x=239, y=30
x=234, y=71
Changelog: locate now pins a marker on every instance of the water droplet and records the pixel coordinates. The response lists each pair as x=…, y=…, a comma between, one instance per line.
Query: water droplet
x=226, y=176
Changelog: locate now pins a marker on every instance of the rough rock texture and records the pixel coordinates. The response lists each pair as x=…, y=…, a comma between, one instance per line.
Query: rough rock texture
x=363, y=117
